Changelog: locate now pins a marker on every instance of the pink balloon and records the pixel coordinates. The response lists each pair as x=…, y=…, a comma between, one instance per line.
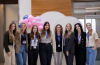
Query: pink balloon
x=34, y=22
x=21, y=21
x=26, y=21
x=29, y=24
x=40, y=27
x=40, y=23
x=35, y=19
x=30, y=18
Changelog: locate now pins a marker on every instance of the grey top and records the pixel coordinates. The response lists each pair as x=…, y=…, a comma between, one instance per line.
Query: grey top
x=44, y=39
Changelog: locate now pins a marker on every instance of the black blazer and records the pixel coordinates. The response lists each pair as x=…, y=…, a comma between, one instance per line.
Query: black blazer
x=6, y=41
x=69, y=44
x=83, y=41
x=29, y=43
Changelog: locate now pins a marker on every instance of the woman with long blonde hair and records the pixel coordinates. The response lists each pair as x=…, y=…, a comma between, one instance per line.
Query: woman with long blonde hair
x=22, y=45
x=58, y=44
x=68, y=44
x=92, y=41
x=9, y=41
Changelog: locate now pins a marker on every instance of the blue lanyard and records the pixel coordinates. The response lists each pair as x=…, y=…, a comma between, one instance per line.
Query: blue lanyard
x=35, y=40
x=88, y=36
x=24, y=36
x=46, y=35
x=58, y=38
x=79, y=37
x=66, y=36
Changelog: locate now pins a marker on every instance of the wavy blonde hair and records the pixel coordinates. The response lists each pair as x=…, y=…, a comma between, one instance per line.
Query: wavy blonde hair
x=90, y=32
x=69, y=32
x=21, y=30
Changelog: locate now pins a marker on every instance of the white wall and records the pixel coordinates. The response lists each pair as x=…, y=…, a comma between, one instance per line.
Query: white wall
x=11, y=14
x=24, y=8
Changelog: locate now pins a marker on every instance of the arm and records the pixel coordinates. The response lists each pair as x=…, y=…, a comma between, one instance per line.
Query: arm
x=96, y=40
x=71, y=42
x=6, y=41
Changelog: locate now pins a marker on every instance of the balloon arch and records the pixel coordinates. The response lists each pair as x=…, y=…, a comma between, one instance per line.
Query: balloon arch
x=31, y=21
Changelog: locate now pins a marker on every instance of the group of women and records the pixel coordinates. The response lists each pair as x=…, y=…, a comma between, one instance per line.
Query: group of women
x=44, y=43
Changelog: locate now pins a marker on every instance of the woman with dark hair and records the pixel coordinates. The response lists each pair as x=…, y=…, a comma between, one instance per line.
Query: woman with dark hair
x=92, y=41
x=22, y=45
x=58, y=44
x=9, y=41
x=33, y=46
x=68, y=45
x=80, y=44
x=45, y=46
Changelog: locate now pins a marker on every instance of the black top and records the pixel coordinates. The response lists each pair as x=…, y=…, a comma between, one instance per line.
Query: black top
x=29, y=43
x=58, y=49
x=6, y=41
x=23, y=38
x=69, y=44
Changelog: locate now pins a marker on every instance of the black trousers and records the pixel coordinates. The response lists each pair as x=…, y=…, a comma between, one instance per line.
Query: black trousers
x=45, y=52
x=80, y=56
x=69, y=59
x=32, y=56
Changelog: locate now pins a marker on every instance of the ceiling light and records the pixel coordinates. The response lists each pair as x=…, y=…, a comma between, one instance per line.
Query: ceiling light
x=93, y=8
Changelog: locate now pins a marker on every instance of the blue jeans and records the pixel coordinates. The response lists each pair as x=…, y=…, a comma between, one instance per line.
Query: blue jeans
x=21, y=56
x=90, y=56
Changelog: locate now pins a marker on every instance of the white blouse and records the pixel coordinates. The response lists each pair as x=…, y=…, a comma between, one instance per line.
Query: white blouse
x=91, y=42
x=34, y=44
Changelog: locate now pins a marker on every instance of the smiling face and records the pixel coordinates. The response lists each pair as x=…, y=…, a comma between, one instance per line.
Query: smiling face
x=78, y=28
x=58, y=28
x=35, y=29
x=13, y=27
x=23, y=26
x=47, y=26
x=88, y=25
x=68, y=27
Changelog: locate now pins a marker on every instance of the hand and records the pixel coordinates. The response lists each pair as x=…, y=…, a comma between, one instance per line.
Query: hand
x=9, y=54
x=67, y=53
x=93, y=48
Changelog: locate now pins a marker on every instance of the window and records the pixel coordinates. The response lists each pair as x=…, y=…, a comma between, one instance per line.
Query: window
x=92, y=21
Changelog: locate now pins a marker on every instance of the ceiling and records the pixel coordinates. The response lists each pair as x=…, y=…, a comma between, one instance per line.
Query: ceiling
x=80, y=7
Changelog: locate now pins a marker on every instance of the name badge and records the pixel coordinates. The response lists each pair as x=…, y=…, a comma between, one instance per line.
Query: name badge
x=46, y=41
x=87, y=43
x=34, y=47
x=24, y=42
x=58, y=45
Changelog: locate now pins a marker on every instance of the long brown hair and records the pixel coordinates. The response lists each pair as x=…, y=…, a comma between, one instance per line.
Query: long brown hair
x=90, y=32
x=43, y=31
x=69, y=32
x=61, y=31
x=11, y=33
x=21, y=30
x=32, y=33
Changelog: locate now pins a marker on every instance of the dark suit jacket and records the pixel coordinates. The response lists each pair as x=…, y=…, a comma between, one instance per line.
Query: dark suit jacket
x=83, y=41
x=69, y=44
